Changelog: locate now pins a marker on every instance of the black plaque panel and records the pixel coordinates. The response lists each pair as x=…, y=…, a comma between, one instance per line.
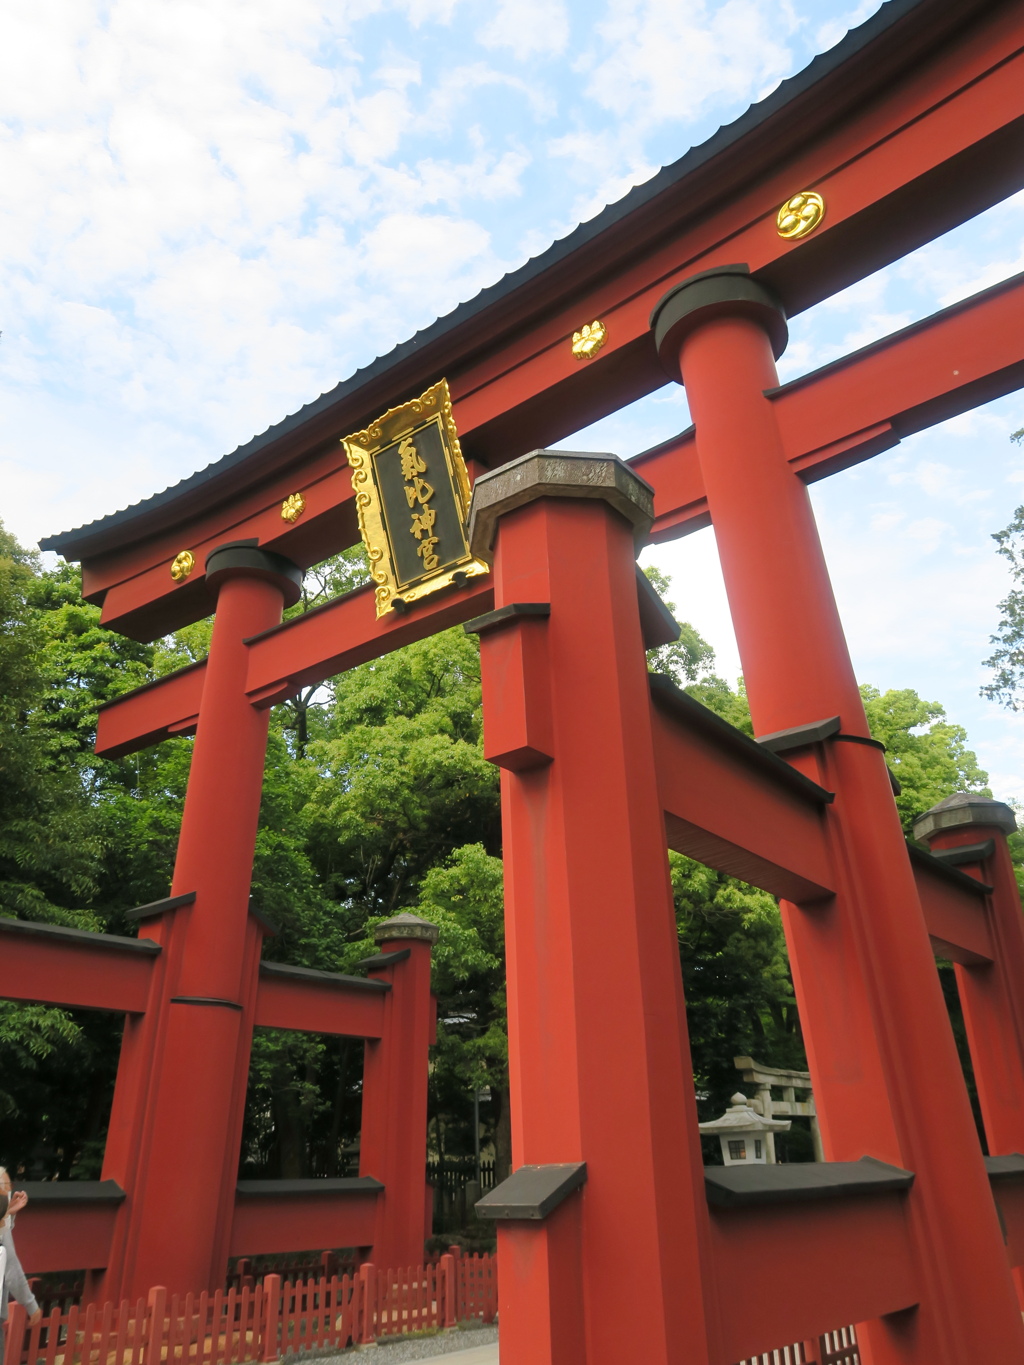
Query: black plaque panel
x=415, y=491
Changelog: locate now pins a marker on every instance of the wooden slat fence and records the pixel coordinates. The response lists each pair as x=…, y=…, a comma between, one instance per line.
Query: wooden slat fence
x=262, y=1323
x=832, y=1348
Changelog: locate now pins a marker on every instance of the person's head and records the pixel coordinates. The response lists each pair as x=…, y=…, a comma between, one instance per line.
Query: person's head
x=5, y=1182
x=5, y=1200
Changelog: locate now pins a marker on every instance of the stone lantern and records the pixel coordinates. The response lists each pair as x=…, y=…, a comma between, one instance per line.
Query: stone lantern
x=744, y=1134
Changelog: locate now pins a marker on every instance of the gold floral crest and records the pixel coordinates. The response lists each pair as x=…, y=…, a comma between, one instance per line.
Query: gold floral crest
x=412, y=498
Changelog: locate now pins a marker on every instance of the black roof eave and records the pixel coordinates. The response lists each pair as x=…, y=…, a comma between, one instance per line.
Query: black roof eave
x=854, y=71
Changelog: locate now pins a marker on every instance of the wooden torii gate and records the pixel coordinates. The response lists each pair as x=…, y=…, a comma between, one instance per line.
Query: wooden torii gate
x=613, y=1240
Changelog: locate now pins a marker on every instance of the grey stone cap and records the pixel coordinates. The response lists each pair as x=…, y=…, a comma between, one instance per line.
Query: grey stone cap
x=532, y=1192
x=1008, y=1167
x=71, y=1191
x=962, y=810
x=318, y=978
x=245, y=556
x=316, y=1188
x=557, y=474
x=801, y=1182
x=82, y=938
x=406, y=925
x=724, y=291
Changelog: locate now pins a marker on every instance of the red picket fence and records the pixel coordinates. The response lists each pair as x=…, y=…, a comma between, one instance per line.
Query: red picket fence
x=263, y=1323
x=832, y=1348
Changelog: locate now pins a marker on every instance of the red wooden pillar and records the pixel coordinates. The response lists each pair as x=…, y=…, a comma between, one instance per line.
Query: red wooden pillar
x=970, y=832
x=886, y=1075
x=598, y=1050
x=177, y=1117
x=393, y=1137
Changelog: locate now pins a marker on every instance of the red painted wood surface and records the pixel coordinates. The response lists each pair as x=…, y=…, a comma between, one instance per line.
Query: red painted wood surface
x=393, y=1135
x=84, y=973
x=807, y=1267
x=313, y=1006
x=735, y=817
x=885, y=1070
x=61, y=1236
x=263, y=1225
x=595, y=1004
x=958, y=924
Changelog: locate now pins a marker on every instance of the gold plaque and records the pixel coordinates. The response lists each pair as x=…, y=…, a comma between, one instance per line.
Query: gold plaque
x=182, y=565
x=293, y=507
x=412, y=497
x=589, y=340
x=801, y=214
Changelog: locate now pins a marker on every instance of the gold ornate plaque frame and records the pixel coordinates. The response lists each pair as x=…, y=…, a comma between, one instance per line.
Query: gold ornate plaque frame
x=413, y=450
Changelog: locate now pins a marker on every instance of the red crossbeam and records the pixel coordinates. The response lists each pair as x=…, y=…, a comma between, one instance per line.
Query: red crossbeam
x=806, y=1267
x=302, y=1222
x=60, y=1235
x=319, y=1003
x=957, y=923
x=913, y=158
x=736, y=814
x=75, y=969
x=831, y=419
x=318, y=645
x=866, y=402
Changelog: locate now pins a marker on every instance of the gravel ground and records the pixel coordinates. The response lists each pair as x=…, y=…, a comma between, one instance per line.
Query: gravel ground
x=416, y=1348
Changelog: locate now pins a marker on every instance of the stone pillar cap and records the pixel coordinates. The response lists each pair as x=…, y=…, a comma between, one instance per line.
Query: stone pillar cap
x=724, y=291
x=960, y=811
x=406, y=925
x=246, y=557
x=558, y=474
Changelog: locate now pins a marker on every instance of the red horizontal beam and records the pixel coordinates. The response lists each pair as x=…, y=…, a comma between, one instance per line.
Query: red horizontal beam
x=304, y=651
x=735, y=817
x=865, y=403
x=56, y=1236
x=831, y=419
x=913, y=158
x=794, y=1271
x=77, y=970
x=311, y=1005
x=836, y=417
x=169, y=706
x=265, y=1226
x=956, y=918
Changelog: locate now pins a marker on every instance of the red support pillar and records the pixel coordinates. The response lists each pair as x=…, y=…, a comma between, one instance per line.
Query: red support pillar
x=887, y=1079
x=969, y=831
x=598, y=1052
x=177, y=1117
x=393, y=1138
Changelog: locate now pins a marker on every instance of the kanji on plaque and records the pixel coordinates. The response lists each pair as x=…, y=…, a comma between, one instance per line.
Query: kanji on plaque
x=412, y=496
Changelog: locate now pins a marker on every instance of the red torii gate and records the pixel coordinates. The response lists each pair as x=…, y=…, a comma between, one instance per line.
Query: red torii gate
x=914, y=123
x=96, y=1225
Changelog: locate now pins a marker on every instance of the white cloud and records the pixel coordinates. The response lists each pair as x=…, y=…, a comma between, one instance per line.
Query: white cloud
x=670, y=58
x=527, y=27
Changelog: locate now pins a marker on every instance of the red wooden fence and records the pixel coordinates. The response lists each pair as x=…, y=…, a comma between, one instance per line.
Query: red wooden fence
x=264, y=1323
x=278, y=1318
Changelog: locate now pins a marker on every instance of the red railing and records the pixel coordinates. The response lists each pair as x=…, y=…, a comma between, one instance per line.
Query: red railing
x=264, y=1323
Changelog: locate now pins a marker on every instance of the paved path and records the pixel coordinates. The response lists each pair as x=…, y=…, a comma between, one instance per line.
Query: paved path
x=478, y=1346
x=475, y=1355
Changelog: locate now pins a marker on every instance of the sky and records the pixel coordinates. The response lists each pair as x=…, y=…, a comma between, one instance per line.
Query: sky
x=215, y=211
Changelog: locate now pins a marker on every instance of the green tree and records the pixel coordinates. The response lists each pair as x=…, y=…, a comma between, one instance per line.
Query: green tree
x=927, y=754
